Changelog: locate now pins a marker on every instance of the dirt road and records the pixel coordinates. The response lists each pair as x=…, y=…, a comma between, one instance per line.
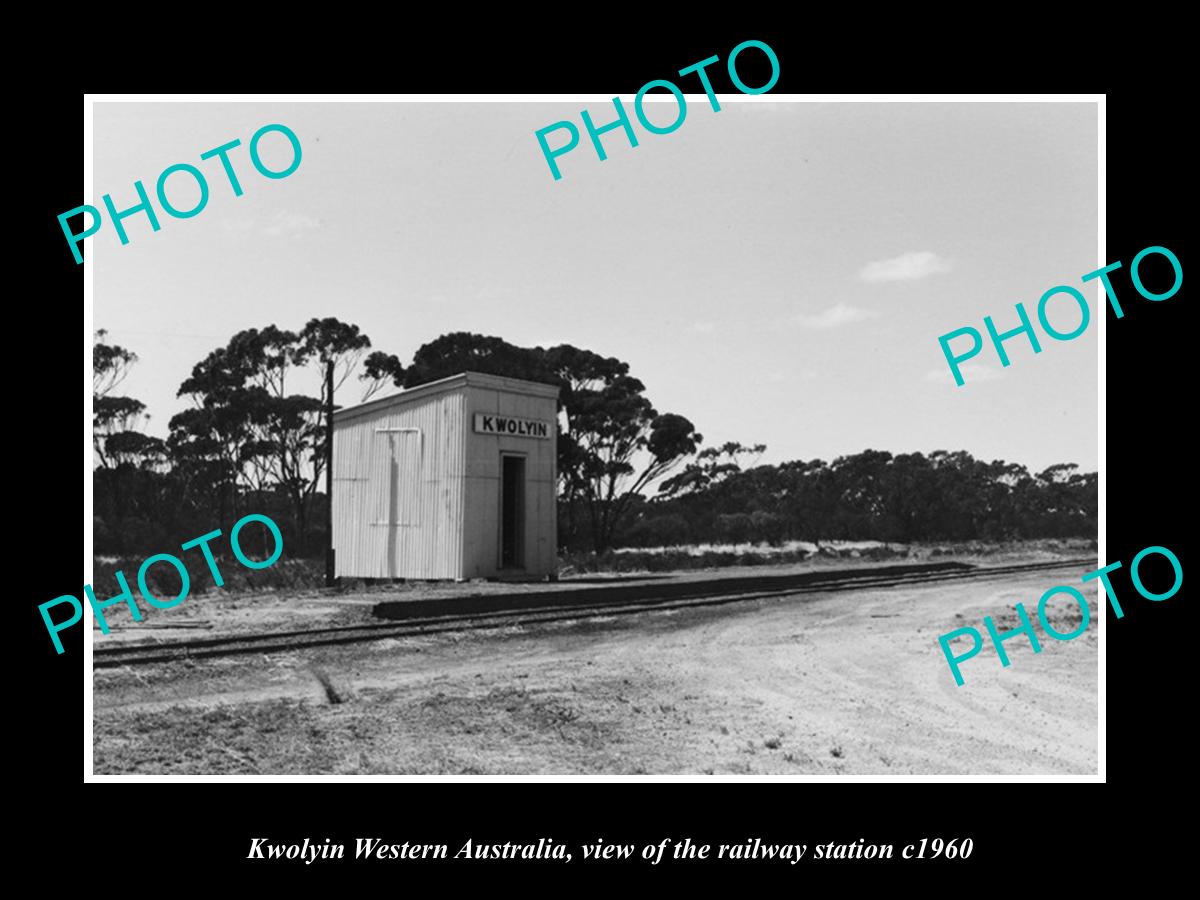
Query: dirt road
x=840, y=683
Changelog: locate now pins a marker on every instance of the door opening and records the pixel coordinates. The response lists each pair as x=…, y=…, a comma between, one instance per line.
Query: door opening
x=512, y=512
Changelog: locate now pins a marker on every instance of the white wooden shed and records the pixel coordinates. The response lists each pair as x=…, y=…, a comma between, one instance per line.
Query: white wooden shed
x=452, y=479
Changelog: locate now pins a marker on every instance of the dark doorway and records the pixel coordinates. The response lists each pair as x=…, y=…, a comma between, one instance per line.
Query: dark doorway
x=512, y=512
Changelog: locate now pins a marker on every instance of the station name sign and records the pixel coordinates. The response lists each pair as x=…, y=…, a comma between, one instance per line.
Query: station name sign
x=534, y=428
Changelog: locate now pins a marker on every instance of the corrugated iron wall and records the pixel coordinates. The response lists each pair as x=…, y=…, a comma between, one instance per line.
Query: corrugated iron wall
x=398, y=490
x=481, y=549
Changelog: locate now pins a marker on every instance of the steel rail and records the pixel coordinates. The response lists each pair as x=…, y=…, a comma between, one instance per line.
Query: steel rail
x=707, y=594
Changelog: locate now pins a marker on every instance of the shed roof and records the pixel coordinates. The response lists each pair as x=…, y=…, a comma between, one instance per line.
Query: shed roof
x=446, y=385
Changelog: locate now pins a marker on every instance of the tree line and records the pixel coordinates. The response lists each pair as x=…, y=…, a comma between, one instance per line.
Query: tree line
x=252, y=440
x=873, y=495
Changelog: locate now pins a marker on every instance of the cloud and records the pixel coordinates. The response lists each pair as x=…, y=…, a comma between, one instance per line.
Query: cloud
x=834, y=317
x=970, y=372
x=906, y=267
x=290, y=223
x=237, y=227
x=704, y=327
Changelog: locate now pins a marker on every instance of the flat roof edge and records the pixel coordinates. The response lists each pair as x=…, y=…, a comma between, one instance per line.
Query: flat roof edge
x=518, y=385
x=445, y=385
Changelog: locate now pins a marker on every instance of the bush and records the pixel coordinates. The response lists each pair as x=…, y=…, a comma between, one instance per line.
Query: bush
x=671, y=560
x=164, y=582
x=736, y=528
x=657, y=531
x=768, y=527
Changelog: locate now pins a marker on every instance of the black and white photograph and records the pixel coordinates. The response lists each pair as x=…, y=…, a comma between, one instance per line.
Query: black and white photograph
x=492, y=437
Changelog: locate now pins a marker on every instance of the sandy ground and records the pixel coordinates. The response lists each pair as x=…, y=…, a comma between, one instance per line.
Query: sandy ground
x=835, y=683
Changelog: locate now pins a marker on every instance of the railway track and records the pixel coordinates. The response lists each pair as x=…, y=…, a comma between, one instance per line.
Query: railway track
x=684, y=595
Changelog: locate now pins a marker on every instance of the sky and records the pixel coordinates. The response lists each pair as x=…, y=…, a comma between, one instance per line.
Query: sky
x=778, y=272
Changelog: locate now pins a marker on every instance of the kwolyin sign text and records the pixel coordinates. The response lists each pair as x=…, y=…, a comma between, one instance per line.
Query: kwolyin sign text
x=534, y=428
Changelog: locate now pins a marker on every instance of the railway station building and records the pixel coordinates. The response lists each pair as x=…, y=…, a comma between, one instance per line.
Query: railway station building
x=454, y=479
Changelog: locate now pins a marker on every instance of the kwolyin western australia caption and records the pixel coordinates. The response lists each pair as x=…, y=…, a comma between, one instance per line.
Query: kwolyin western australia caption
x=546, y=849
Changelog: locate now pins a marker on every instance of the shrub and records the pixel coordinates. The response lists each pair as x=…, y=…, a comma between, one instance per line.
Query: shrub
x=163, y=580
x=658, y=531
x=736, y=528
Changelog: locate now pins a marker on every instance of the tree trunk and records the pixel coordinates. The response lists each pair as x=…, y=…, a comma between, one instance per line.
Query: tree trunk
x=329, y=561
x=301, y=525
